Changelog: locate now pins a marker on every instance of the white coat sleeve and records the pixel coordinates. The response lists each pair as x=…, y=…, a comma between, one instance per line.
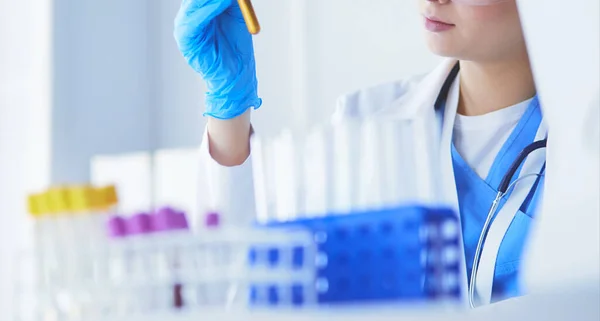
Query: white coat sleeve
x=227, y=190
x=230, y=190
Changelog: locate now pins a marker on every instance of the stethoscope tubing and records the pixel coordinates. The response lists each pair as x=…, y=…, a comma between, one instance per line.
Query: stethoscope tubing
x=503, y=189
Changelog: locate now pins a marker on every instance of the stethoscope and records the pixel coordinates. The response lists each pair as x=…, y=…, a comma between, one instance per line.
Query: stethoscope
x=503, y=188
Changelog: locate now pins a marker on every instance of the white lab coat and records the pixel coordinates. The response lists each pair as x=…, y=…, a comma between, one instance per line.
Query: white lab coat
x=230, y=189
x=565, y=248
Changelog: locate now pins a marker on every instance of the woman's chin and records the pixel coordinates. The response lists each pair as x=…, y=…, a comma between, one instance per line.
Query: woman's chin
x=444, y=47
x=443, y=52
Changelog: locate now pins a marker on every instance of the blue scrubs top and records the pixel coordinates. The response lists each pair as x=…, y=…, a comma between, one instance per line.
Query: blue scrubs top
x=475, y=197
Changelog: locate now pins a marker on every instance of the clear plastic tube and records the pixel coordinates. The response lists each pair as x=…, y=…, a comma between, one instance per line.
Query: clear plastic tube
x=371, y=171
x=425, y=158
x=261, y=165
x=286, y=177
x=396, y=162
x=102, y=203
x=317, y=172
x=39, y=210
x=346, y=165
x=60, y=235
x=83, y=201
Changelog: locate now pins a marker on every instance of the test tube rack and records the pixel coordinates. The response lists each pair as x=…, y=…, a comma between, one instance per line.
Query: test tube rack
x=402, y=253
x=174, y=270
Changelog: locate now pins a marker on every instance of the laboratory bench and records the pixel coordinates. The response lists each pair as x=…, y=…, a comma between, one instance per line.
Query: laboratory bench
x=582, y=304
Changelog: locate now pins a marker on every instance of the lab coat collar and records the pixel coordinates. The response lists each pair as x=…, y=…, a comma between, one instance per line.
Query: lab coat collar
x=423, y=96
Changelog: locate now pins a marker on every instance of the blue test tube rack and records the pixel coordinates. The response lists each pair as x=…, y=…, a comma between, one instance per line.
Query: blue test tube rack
x=295, y=288
x=407, y=253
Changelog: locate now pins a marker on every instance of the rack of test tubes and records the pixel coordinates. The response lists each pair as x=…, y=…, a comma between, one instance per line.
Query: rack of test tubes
x=351, y=166
x=368, y=192
x=406, y=253
x=152, y=263
x=337, y=223
x=68, y=223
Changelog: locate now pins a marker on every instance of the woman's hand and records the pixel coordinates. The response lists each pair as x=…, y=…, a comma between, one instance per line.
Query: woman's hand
x=215, y=42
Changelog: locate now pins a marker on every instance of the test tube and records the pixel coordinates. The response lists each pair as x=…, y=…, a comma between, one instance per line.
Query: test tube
x=139, y=261
x=61, y=234
x=73, y=256
x=398, y=162
x=49, y=246
x=173, y=261
x=84, y=202
x=370, y=193
x=39, y=213
x=118, y=264
x=249, y=16
x=346, y=168
x=103, y=202
x=263, y=185
x=426, y=160
x=287, y=168
x=317, y=172
x=106, y=201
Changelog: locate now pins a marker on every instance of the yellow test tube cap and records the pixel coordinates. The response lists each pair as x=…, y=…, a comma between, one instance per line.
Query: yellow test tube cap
x=43, y=203
x=58, y=200
x=109, y=195
x=81, y=198
x=34, y=205
x=96, y=200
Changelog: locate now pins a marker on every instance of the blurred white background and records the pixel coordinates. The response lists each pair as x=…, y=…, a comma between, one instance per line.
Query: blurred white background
x=96, y=90
x=87, y=82
x=120, y=85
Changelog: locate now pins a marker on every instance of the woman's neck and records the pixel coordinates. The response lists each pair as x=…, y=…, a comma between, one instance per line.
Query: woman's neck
x=487, y=87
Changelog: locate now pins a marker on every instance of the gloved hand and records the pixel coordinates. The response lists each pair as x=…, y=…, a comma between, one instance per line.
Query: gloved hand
x=215, y=42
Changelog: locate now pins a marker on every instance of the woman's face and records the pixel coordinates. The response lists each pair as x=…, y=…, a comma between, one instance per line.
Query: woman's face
x=481, y=33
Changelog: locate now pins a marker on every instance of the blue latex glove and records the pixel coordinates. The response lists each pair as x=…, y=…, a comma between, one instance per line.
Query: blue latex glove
x=215, y=42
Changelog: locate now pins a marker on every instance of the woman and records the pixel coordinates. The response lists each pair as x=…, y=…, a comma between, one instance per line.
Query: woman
x=483, y=96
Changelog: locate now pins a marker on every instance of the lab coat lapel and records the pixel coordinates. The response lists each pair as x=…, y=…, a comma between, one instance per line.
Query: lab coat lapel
x=420, y=99
x=450, y=196
x=419, y=105
x=485, y=275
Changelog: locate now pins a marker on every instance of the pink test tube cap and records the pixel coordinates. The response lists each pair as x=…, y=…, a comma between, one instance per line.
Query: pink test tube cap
x=165, y=219
x=182, y=222
x=212, y=220
x=140, y=223
x=116, y=227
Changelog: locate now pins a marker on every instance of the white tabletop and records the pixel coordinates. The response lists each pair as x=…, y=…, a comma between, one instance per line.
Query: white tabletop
x=580, y=305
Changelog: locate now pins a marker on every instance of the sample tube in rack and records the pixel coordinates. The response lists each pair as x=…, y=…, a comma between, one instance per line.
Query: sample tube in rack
x=92, y=207
x=80, y=198
x=96, y=203
x=345, y=172
x=38, y=210
x=61, y=232
x=371, y=174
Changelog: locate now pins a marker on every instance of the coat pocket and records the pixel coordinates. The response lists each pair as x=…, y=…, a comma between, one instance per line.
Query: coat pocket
x=508, y=264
